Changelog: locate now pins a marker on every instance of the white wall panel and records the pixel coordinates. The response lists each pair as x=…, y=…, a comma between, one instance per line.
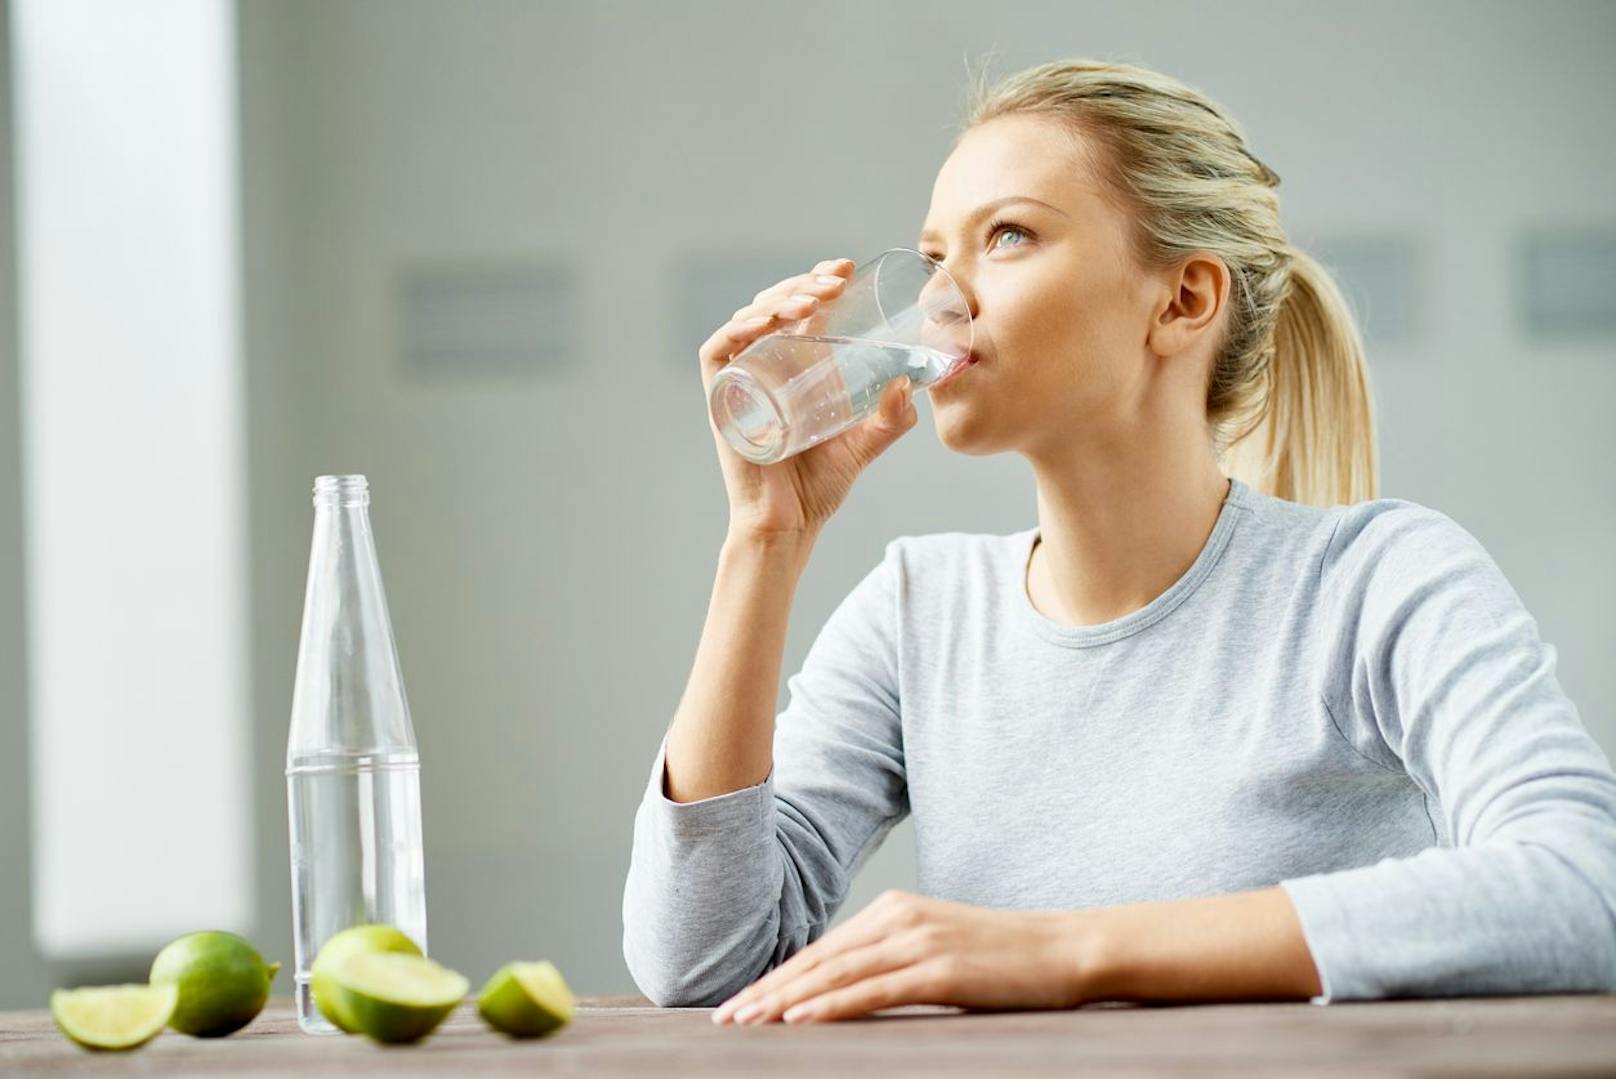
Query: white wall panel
x=126, y=145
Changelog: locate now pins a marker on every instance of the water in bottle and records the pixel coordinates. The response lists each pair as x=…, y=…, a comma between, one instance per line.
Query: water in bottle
x=352, y=769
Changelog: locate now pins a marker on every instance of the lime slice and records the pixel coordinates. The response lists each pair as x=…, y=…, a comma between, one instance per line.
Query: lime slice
x=113, y=1016
x=222, y=980
x=394, y=997
x=526, y=1000
x=331, y=1001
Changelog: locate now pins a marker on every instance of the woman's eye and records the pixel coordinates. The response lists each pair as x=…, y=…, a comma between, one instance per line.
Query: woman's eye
x=995, y=230
x=1006, y=230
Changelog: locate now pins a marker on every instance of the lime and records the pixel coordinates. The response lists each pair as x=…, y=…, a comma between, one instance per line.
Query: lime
x=352, y=941
x=113, y=1016
x=222, y=982
x=526, y=1000
x=394, y=997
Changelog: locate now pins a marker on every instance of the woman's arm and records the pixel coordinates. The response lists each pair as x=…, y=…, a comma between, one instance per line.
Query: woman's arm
x=1444, y=677
x=722, y=888
x=1244, y=946
x=911, y=949
x=723, y=731
x=1435, y=670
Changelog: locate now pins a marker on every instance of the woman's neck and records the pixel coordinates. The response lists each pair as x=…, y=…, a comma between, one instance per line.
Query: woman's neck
x=1113, y=538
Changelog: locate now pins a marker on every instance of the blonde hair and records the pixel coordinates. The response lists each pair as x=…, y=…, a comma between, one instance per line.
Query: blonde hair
x=1288, y=402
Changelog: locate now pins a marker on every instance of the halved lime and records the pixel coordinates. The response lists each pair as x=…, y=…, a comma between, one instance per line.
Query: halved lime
x=113, y=1016
x=526, y=1000
x=394, y=997
x=222, y=980
x=330, y=999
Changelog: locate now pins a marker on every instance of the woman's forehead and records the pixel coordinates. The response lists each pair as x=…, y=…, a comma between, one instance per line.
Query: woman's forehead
x=1011, y=156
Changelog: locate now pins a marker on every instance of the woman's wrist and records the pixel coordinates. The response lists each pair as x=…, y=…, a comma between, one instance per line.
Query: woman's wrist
x=794, y=545
x=1088, y=957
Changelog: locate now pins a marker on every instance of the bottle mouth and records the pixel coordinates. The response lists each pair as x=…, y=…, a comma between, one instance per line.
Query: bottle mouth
x=341, y=490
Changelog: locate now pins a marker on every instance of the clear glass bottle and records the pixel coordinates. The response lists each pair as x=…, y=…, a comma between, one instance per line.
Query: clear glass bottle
x=352, y=771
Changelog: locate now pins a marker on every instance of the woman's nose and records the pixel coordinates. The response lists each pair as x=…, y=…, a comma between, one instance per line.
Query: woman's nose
x=950, y=310
x=947, y=298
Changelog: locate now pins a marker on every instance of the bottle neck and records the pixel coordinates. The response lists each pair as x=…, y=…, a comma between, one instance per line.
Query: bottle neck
x=341, y=491
x=348, y=697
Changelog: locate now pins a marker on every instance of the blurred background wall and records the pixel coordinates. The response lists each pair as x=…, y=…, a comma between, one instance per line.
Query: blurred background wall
x=548, y=520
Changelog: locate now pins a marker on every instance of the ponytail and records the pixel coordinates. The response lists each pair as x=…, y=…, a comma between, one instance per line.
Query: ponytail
x=1315, y=439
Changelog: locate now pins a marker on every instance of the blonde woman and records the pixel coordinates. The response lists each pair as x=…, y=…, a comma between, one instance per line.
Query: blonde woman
x=1222, y=726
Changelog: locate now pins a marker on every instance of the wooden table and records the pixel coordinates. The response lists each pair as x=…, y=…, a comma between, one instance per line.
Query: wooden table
x=1560, y=1035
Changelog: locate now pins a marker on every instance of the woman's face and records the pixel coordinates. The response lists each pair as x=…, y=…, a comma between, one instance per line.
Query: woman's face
x=1061, y=310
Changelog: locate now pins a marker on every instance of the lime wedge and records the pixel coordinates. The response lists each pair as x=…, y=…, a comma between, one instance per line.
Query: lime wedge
x=113, y=1016
x=526, y=1000
x=331, y=1001
x=394, y=997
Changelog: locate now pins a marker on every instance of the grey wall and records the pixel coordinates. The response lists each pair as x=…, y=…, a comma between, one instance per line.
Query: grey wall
x=548, y=539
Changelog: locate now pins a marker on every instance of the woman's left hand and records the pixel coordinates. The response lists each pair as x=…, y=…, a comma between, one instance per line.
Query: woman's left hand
x=909, y=949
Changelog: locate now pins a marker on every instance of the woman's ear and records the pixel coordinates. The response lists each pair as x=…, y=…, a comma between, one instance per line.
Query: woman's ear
x=1196, y=292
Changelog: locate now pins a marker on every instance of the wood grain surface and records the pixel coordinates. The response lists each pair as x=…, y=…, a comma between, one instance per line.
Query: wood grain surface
x=1546, y=1035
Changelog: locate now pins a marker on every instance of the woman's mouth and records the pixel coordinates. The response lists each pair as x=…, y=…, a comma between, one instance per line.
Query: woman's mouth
x=958, y=369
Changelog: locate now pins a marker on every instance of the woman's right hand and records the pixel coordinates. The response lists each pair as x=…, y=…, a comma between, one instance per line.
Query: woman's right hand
x=797, y=495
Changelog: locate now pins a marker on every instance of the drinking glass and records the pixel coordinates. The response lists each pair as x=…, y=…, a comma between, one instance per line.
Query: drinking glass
x=901, y=313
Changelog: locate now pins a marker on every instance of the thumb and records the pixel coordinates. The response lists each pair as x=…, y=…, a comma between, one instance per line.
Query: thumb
x=893, y=415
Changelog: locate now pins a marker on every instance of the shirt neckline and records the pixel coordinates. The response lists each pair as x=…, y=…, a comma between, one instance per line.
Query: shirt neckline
x=1237, y=500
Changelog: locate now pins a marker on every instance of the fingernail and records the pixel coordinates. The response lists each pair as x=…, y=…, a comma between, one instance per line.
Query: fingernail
x=757, y=321
x=799, y=1013
x=800, y=298
x=745, y=1014
x=828, y=279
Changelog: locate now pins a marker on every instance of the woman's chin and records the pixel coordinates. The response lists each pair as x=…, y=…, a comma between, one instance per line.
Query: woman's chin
x=960, y=430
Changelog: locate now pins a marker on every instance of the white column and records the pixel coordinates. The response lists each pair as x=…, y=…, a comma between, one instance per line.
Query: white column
x=133, y=442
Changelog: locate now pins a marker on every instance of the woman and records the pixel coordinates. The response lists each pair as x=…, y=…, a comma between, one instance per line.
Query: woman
x=1222, y=726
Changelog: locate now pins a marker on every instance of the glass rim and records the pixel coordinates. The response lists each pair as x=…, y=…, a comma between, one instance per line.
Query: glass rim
x=936, y=267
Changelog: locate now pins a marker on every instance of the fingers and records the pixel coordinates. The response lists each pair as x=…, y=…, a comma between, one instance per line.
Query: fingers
x=856, y=932
x=800, y=292
x=897, y=405
x=894, y=415
x=915, y=984
x=849, y=968
x=730, y=338
x=790, y=300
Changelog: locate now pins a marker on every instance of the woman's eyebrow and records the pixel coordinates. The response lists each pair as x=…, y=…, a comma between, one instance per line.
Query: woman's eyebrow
x=988, y=207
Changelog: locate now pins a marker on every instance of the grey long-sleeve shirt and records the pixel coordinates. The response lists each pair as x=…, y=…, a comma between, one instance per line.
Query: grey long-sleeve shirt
x=1351, y=703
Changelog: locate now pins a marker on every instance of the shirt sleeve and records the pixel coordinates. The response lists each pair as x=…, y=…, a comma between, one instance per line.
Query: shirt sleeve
x=1435, y=668
x=720, y=891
